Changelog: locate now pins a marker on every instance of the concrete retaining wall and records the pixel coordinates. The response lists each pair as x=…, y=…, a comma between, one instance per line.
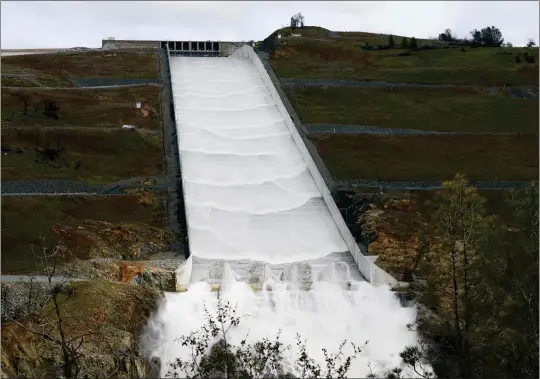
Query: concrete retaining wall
x=321, y=166
x=183, y=216
x=369, y=270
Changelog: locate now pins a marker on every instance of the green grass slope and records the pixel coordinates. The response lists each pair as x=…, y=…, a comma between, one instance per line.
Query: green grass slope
x=344, y=58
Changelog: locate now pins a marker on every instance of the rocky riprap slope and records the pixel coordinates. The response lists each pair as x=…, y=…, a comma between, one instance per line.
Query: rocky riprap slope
x=114, y=312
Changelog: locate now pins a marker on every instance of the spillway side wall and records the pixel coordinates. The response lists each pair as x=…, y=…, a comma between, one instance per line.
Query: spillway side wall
x=183, y=216
x=321, y=166
x=371, y=272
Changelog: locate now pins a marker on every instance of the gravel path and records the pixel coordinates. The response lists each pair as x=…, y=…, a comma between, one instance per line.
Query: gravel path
x=432, y=184
x=63, y=187
x=47, y=186
x=520, y=92
x=369, y=129
x=113, y=82
x=86, y=87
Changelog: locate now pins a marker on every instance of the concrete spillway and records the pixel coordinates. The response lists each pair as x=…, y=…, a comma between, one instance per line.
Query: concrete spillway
x=256, y=215
x=248, y=193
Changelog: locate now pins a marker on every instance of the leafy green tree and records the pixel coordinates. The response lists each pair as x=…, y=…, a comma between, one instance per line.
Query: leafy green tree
x=489, y=37
x=481, y=299
x=510, y=302
x=446, y=36
x=391, y=40
x=458, y=223
x=413, y=45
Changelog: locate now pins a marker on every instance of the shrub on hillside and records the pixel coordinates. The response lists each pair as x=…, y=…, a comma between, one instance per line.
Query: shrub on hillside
x=413, y=44
x=446, y=36
x=489, y=37
x=529, y=58
x=270, y=44
x=404, y=43
x=518, y=59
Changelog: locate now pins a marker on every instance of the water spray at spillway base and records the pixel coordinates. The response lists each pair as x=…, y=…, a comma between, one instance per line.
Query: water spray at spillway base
x=261, y=232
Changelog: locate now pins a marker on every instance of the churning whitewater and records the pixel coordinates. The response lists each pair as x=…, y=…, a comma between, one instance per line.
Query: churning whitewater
x=249, y=196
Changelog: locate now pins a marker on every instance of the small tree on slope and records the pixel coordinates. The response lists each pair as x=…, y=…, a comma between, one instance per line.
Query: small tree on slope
x=481, y=299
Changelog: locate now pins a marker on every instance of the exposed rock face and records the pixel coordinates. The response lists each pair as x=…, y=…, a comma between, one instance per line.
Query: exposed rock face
x=387, y=226
x=100, y=239
x=21, y=299
x=115, y=313
x=396, y=226
x=159, y=279
x=134, y=272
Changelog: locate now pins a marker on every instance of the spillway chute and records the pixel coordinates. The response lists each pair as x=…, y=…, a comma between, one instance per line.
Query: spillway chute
x=261, y=231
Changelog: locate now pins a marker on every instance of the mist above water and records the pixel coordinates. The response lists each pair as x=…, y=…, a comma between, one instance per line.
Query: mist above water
x=250, y=196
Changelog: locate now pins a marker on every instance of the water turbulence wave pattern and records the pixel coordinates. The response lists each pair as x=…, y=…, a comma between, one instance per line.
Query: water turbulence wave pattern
x=256, y=215
x=248, y=192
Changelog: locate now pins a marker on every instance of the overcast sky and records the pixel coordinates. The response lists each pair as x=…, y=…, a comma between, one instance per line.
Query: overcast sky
x=61, y=24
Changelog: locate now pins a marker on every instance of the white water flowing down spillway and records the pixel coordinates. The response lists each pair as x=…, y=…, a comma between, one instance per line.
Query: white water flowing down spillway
x=250, y=197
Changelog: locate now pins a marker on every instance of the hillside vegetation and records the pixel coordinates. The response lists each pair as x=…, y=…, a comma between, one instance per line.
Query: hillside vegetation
x=459, y=86
x=411, y=157
x=56, y=70
x=89, y=226
x=91, y=156
x=76, y=133
x=105, y=107
x=451, y=109
x=317, y=55
x=438, y=241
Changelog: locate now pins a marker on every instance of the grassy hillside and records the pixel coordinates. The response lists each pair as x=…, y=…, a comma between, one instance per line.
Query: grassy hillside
x=451, y=109
x=111, y=107
x=54, y=70
x=429, y=157
x=321, y=54
x=87, y=127
x=28, y=220
x=344, y=57
x=91, y=156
